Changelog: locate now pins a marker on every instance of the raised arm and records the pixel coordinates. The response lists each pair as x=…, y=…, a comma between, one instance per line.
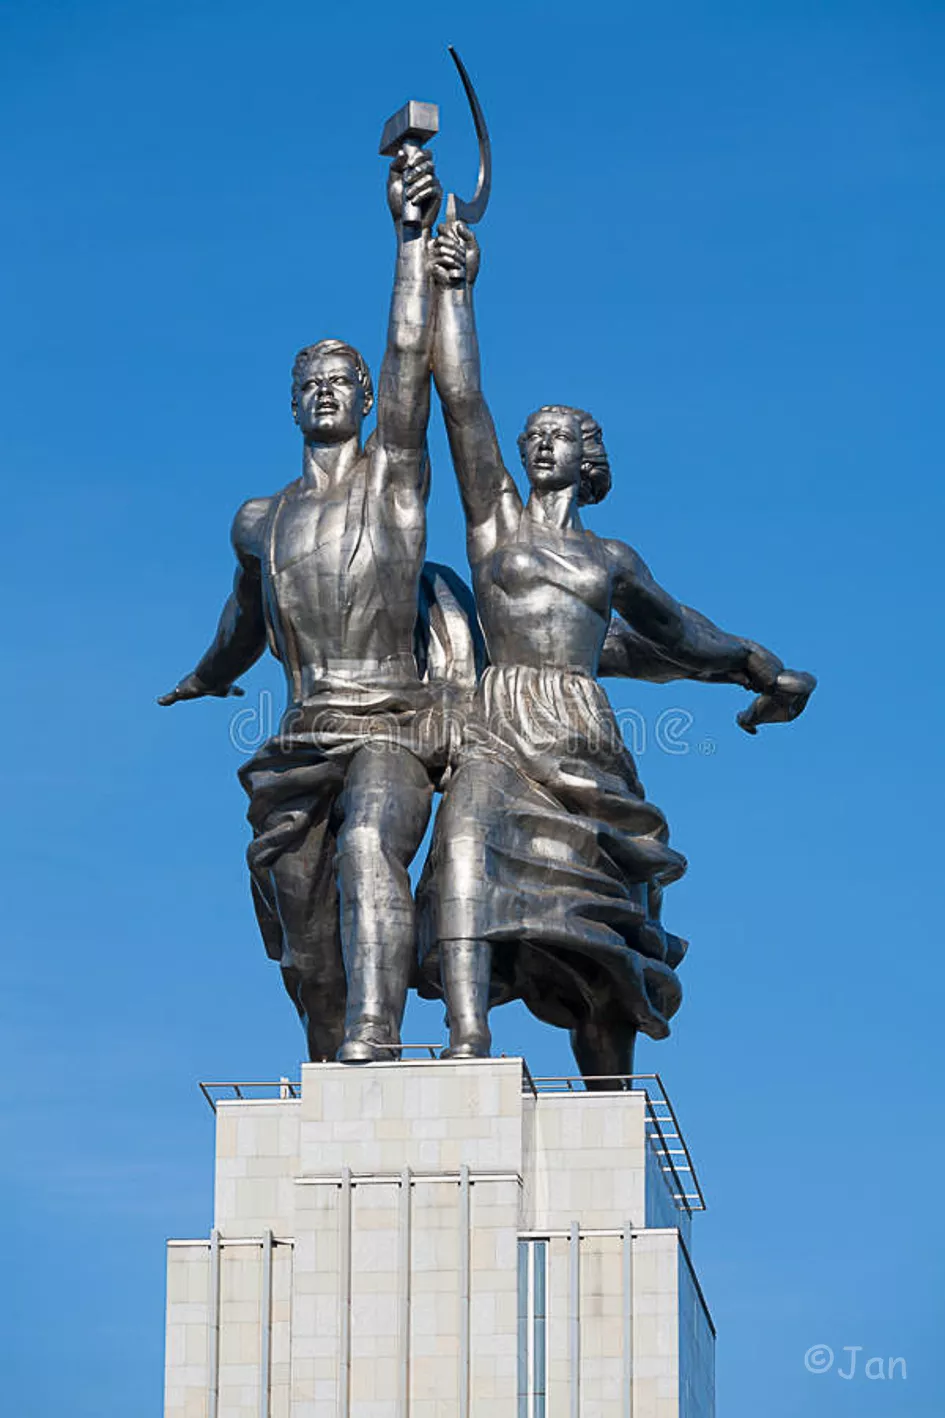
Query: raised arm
x=241, y=633
x=403, y=402
x=654, y=637
x=491, y=500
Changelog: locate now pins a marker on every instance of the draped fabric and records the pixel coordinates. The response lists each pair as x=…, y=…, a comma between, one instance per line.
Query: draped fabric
x=545, y=846
x=294, y=780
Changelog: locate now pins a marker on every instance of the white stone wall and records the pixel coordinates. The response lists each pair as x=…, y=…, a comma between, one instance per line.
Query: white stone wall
x=257, y=1162
x=187, y=1341
x=585, y=1160
x=393, y=1197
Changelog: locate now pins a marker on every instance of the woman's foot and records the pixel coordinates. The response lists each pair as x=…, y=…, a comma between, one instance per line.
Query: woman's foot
x=473, y=1046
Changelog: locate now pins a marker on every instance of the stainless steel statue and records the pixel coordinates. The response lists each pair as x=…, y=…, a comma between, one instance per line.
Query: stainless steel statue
x=548, y=864
x=546, y=873
x=329, y=574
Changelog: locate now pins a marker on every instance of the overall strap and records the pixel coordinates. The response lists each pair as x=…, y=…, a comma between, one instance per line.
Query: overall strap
x=288, y=653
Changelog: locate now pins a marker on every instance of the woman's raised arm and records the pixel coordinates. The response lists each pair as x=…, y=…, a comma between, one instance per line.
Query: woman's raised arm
x=491, y=500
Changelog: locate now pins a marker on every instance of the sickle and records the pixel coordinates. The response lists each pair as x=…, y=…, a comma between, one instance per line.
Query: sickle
x=456, y=208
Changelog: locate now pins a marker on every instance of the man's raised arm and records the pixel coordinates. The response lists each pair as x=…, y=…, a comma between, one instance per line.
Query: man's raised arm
x=241, y=633
x=491, y=500
x=403, y=402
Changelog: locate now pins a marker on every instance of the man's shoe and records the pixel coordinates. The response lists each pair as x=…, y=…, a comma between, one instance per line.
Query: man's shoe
x=369, y=1041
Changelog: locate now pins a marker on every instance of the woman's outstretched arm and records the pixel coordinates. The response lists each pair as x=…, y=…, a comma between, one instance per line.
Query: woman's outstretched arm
x=685, y=644
x=491, y=500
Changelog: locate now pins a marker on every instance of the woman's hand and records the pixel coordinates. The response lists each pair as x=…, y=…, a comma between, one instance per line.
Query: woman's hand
x=454, y=255
x=781, y=703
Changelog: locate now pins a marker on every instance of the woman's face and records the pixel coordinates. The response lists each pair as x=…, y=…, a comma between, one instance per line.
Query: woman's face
x=553, y=450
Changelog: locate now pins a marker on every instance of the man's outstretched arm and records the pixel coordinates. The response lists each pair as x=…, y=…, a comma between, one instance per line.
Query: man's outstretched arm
x=403, y=401
x=241, y=633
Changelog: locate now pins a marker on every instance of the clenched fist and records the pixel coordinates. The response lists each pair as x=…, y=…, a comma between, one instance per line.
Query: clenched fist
x=455, y=255
x=412, y=179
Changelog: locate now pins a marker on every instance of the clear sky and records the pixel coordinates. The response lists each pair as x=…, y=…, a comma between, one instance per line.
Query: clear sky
x=718, y=226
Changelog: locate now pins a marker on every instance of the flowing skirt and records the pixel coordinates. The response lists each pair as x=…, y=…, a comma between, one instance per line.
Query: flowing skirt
x=545, y=846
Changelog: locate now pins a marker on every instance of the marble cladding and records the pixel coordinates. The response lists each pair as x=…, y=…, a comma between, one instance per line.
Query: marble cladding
x=395, y=1196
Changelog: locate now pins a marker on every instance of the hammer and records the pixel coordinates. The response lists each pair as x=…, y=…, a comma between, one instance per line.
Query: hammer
x=409, y=128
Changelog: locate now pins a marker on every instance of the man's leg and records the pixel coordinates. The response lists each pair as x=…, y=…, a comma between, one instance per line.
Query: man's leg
x=385, y=807
x=306, y=901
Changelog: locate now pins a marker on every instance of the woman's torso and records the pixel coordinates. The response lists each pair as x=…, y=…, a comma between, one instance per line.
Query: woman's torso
x=544, y=598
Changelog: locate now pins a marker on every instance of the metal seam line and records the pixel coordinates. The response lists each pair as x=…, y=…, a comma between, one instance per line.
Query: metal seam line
x=403, y=1407
x=465, y=1228
x=628, y=1321
x=265, y=1325
x=213, y=1338
x=344, y=1224
x=574, y=1256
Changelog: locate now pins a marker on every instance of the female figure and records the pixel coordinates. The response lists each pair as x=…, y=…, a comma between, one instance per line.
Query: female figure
x=548, y=864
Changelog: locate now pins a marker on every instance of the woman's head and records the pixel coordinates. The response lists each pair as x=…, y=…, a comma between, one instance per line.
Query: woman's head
x=562, y=446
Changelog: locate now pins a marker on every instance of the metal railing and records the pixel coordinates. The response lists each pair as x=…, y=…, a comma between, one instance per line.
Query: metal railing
x=664, y=1134
x=284, y=1088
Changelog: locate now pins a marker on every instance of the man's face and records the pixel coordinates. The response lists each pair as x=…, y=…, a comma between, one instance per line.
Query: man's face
x=329, y=399
x=553, y=450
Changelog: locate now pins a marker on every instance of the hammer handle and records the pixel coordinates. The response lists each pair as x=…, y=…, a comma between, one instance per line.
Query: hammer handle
x=412, y=215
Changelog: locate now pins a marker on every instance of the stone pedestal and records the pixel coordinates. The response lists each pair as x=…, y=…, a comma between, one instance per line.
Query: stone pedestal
x=434, y=1239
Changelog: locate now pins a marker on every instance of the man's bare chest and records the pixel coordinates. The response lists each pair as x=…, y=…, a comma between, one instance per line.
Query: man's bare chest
x=309, y=524
x=340, y=533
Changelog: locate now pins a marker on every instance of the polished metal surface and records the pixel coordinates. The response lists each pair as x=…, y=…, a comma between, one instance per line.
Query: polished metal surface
x=548, y=864
x=546, y=873
x=475, y=209
x=329, y=575
x=415, y=123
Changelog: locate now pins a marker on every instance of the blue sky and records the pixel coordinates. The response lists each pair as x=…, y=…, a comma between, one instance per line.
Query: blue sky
x=719, y=227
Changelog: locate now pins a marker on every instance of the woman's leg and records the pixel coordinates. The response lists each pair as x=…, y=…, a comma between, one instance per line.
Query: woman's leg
x=465, y=968
x=603, y=1050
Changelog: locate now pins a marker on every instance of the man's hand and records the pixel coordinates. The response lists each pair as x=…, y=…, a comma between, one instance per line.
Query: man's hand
x=455, y=255
x=192, y=687
x=412, y=178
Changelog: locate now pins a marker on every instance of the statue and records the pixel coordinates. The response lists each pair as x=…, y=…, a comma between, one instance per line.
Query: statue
x=329, y=573
x=546, y=873
x=548, y=864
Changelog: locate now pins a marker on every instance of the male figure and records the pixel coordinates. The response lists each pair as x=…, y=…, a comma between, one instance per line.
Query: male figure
x=328, y=571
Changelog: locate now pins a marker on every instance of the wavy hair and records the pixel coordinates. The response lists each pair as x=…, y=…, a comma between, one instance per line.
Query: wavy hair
x=326, y=347
x=595, y=465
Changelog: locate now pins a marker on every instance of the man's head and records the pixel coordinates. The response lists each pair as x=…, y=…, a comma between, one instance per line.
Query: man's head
x=563, y=447
x=332, y=392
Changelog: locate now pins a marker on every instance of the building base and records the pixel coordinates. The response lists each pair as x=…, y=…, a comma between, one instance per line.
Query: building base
x=433, y=1239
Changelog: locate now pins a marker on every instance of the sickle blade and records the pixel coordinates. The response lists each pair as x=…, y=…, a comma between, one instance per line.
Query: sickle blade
x=473, y=211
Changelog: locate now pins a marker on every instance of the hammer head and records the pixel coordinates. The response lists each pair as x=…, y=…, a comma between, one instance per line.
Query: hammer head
x=415, y=123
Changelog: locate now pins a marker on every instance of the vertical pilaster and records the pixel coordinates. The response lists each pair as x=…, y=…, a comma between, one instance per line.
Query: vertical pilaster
x=574, y=1319
x=364, y=1258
